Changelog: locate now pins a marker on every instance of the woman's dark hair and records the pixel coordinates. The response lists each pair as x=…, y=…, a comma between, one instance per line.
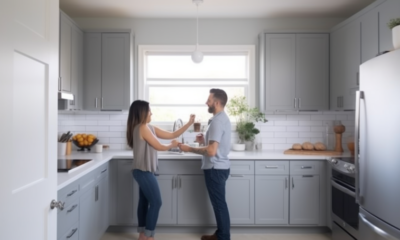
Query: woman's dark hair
x=138, y=113
x=220, y=95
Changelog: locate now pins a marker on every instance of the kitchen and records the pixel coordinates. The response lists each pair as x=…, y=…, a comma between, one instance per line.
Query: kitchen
x=282, y=130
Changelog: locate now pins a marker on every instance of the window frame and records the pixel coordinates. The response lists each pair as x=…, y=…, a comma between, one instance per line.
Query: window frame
x=220, y=50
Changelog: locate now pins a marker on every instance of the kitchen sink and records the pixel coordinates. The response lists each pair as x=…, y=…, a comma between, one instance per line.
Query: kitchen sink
x=170, y=153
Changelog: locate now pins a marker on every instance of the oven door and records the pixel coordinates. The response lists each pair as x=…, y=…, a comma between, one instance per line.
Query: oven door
x=344, y=207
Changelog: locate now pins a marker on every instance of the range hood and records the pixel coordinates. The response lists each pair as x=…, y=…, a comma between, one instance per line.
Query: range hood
x=65, y=96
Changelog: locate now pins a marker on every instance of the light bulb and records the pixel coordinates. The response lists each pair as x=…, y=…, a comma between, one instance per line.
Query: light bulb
x=197, y=56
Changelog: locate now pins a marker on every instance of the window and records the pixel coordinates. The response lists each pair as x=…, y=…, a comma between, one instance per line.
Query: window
x=177, y=87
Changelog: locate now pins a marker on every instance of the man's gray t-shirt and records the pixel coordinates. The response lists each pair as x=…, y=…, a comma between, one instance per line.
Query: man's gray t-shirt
x=219, y=130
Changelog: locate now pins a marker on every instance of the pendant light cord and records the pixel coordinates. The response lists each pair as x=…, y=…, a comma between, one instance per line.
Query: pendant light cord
x=197, y=26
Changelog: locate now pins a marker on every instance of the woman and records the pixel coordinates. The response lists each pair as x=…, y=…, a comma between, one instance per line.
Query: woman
x=142, y=137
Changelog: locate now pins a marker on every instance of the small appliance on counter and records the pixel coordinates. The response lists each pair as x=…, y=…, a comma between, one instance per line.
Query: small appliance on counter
x=68, y=165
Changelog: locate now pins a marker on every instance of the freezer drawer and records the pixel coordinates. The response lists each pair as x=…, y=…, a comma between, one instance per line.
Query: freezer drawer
x=372, y=228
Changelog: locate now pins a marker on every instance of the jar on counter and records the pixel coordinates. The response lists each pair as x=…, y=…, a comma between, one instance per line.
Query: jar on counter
x=329, y=139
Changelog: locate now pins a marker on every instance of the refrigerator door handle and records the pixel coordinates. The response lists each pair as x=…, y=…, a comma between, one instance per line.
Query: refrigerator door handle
x=376, y=229
x=359, y=96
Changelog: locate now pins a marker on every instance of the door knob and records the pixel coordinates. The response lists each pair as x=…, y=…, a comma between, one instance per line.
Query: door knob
x=55, y=204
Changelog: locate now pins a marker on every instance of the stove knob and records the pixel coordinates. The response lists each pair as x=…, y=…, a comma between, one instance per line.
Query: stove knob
x=351, y=169
x=334, y=161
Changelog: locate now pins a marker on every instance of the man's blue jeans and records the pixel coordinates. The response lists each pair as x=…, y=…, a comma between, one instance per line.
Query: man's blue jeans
x=149, y=201
x=216, y=182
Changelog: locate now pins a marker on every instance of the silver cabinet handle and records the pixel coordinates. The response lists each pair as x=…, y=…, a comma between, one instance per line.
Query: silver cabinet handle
x=294, y=102
x=72, y=233
x=96, y=197
x=180, y=182
x=271, y=167
x=292, y=182
x=104, y=170
x=236, y=175
x=285, y=183
x=72, y=208
x=96, y=103
x=71, y=193
x=306, y=167
x=57, y=204
x=176, y=182
x=359, y=97
x=307, y=176
x=173, y=182
x=376, y=229
x=343, y=189
x=59, y=83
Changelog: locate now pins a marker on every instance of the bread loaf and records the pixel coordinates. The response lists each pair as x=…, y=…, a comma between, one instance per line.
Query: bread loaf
x=319, y=146
x=296, y=146
x=308, y=146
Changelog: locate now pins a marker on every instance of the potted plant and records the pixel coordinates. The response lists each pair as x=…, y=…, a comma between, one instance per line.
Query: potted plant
x=394, y=24
x=245, y=118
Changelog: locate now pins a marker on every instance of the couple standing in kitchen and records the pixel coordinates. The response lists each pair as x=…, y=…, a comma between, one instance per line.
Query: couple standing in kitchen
x=143, y=138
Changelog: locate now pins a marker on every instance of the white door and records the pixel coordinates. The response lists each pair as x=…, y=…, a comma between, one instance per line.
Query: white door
x=28, y=125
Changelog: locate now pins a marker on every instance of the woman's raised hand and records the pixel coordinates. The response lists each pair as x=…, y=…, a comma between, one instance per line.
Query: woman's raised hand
x=191, y=119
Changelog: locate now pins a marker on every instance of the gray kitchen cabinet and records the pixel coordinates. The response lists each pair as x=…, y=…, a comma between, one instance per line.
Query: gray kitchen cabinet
x=304, y=200
x=102, y=203
x=71, y=60
x=369, y=35
x=107, y=84
x=88, y=215
x=194, y=206
x=296, y=71
x=388, y=10
x=240, y=198
x=271, y=200
x=168, y=187
x=69, y=216
x=126, y=209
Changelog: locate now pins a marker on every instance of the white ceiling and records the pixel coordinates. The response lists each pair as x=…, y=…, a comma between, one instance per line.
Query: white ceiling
x=213, y=8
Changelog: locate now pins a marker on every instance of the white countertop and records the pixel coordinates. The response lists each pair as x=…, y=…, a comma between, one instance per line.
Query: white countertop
x=100, y=158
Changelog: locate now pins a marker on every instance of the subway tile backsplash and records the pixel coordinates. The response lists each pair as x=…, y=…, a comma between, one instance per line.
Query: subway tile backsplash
x=279, y=133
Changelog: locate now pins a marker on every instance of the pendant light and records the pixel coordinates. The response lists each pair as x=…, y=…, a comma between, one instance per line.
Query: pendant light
x=197, y=56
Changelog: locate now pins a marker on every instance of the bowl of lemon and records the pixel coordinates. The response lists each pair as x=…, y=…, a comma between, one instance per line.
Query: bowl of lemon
x=84, y=141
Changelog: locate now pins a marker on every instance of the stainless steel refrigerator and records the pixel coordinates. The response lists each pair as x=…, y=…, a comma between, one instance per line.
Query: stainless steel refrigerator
x=378, y=133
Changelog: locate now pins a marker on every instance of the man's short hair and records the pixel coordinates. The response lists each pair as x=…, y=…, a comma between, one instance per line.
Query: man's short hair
x=220, y=95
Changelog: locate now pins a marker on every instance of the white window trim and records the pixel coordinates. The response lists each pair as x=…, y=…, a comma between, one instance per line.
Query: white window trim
x=249, y=49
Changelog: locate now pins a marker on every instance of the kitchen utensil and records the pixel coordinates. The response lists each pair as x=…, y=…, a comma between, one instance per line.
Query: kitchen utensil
x=61, y=148
x=338, y=128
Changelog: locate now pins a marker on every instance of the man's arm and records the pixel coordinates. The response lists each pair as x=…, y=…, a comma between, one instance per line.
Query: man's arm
x=210, y=150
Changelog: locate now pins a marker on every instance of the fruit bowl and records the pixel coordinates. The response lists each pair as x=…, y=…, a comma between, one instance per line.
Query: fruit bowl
x=88, y=147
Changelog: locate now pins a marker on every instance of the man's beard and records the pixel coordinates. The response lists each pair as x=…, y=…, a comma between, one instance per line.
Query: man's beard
x=211, y=109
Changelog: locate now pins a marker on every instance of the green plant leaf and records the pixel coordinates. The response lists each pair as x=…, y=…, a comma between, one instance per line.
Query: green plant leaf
x=393, y=23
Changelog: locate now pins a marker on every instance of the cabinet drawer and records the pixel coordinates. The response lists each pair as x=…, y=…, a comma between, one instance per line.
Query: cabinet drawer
x=72, y=233
x=272, y=167
x=67, y=217
x=242, y=167
x=102, y=171
x=69, y=193
x=305, y=167
x=180, y=167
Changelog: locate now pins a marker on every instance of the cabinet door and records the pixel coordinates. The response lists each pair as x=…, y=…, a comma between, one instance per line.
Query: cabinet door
x=126, y=211
x=312, y=71
x=103, y=209
x=272, y=200
x=88, y=215
x=388, y=10
x=76, y=68
x=304, y=200
x=280, y=60
x=92, y=71
x=65, y=54
x=168, y=188
x=194, y=206
x=240, y=198
x=115, y=83
x=369, y=35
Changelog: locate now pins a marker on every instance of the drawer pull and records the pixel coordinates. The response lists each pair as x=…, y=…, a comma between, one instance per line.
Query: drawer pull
x=308, y=176
x=72, y=233
x=72, y=208
x=104, y=170
x=72, y=193
x=306, y=167
x=271, y=167
x=236, y=175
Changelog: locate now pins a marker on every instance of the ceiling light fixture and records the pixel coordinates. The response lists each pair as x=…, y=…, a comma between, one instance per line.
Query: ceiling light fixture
x=197, y=56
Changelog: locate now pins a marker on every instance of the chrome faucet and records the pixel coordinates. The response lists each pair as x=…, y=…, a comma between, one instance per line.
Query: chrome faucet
x=178, y=124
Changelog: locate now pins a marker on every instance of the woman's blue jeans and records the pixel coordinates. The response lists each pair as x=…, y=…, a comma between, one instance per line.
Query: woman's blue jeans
x=149, y=201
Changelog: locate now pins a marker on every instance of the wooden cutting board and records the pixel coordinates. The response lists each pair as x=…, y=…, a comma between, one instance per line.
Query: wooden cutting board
x=312, y=152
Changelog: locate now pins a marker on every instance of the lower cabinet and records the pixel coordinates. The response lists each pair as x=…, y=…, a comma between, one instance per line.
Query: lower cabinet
x=304, y=200
x=88, y=215
x=272, y=200
x=125, y=209
x=240, y=199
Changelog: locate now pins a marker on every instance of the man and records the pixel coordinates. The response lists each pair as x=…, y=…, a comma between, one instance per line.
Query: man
x=215, y=161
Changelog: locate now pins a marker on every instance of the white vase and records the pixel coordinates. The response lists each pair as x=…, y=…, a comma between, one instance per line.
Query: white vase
x=249, y=145
x=238, y=147
x=396, y=37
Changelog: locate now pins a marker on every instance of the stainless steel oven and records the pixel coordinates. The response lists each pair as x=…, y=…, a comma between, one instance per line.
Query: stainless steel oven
x=344, y=207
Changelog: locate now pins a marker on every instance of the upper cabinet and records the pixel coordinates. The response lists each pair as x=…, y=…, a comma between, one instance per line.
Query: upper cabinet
x=71, y=61
x=107, y=74
x=296, y=68
x=355, y=41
